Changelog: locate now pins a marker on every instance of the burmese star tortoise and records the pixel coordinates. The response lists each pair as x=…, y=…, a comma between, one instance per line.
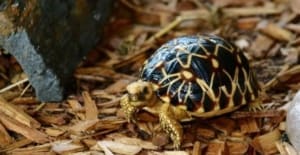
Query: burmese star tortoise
x=191, y=76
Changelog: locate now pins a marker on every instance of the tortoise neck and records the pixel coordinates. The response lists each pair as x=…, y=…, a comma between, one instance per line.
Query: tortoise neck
x=153, y=100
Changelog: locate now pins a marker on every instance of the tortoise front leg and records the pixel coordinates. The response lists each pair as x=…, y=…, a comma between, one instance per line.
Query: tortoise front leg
x=170, y=124
x=128, y=108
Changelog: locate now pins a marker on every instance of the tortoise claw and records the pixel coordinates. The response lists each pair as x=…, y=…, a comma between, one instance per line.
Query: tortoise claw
x=255, y=106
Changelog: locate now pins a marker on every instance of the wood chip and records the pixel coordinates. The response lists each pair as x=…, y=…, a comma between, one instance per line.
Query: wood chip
x=34, y=150
x=89, y=153
x=112, y=123
x=175, y=153
x=257, y=114
x=282, y=126
x=118, y=147
x=261, y=45
x=89, y=142
x=56, y=119
x=249, y=11
x=28, y=132
x=286, y=148
x=198, y=14
x=289, y=75
x=105, y=72
x=247, y=23
x=54, y=132
x=118, y=86
x=169, y=153
x=108, y=111
x=91, y=110
x=293, y=27
x=295, y=5
x=83, y=126
x=89, y=78
x=274, y=51
x=25, y=100
x=135, y=141
x=197, y=148
x=100, y=146
x=237, y=147
x=266, y=144
x=206, y=132
x=75, y=105
x=9, y=95
x=18, y=144
x=148, y=18
x=18, y=114
x=224, y=125
x=65, y=147
x=215, y=148
x=277, y=32
x=292, y=55
x=146, y=116
x=5, y=139
x=160, y=139
x=248, y=125
x=143, y=126
x=222, y=3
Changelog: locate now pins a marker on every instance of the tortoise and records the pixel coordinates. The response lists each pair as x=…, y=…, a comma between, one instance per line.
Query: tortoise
x=192, y=76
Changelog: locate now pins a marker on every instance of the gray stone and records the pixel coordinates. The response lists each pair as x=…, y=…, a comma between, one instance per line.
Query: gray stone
x=293, y=122
x=50, y=37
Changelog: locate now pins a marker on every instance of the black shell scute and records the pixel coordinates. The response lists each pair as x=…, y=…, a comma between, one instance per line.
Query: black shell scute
x=201, y=72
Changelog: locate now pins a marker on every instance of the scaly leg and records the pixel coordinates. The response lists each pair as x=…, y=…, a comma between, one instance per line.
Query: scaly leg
x=170, y=125
x=128, y=109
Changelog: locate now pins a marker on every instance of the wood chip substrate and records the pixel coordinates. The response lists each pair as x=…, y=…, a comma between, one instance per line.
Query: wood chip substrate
x=89, y=121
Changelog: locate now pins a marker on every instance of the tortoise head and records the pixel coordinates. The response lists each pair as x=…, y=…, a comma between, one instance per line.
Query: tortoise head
x=139, y=94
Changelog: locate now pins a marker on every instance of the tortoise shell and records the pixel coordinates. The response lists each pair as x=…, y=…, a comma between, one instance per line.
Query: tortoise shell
x=201, y=74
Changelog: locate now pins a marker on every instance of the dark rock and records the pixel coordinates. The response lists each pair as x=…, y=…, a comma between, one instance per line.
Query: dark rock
x=50, y=37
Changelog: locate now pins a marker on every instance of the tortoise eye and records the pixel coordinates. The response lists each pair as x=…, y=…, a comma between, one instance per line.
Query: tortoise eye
x=145, y=90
